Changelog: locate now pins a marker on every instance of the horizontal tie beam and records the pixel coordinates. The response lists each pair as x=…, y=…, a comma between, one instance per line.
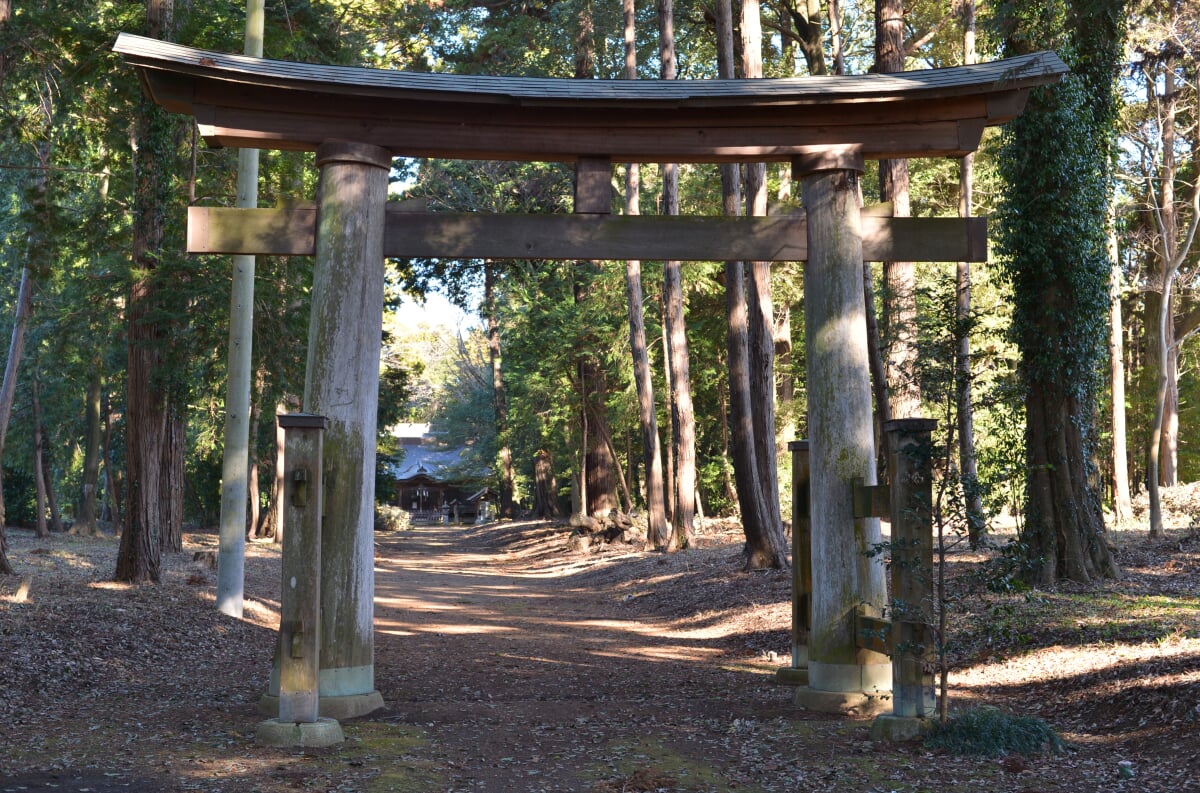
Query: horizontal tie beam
x=450, y=235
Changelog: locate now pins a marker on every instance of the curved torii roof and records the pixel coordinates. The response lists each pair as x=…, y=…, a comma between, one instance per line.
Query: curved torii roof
x=252, y=102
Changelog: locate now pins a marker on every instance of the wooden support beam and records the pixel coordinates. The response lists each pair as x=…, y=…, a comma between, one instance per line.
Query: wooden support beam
x=449, y=235
x=872, y=501
x=593, y=186
x=873, y=633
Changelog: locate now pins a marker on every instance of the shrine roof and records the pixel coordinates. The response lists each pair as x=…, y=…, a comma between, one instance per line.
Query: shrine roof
x=239, y=100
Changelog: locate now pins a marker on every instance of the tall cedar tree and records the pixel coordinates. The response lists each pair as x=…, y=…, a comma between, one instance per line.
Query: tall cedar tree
x=154, y=429
x=678, y=358
x=900, y=279
x=1056, y=163
x=761, y=313
x=659, y=530
x=499, y=392
x=764, y=547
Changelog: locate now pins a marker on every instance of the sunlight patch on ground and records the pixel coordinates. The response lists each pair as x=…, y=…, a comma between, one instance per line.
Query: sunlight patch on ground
x=116, y=586
x=261, y=612
x=1061, y=663
x=393, y=628
x=661, y=653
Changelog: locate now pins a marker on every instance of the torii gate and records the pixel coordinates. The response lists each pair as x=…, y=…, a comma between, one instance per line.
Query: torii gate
x=357, y=120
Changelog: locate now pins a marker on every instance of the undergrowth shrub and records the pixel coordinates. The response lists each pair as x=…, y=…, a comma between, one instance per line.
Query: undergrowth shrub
x=390, y=518
x=993, y=733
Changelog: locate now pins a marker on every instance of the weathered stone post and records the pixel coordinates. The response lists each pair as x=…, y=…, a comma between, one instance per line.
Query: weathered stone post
x=841, y=677
x=342, y=384
x=911, y=467
x=297, y=654
x=797, y=673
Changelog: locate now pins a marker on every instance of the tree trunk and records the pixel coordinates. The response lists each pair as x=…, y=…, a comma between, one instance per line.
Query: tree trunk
x=545, y=489
x=601, y=480
x=761, y=315
x=1052, y=239
x=899, y=294
x=150, y=419
x=835, y=36
x=1122, y=503
x=762, y=549
x=683, y=420
x=85, y=521
x=16, y=347
x=1160, y=466
x=24, y=309
x=42, y=455
x=5, y=18
x=1161, y=354
x=727, y=453
x=114, y=483
x=1064, y=525
x=658, y=532
x=968, y=467
x=618, y=470
x=174, y=452
x=499, y=393
x=253, y=497
x=277, y=487
x=39, y=468
x=811, y=32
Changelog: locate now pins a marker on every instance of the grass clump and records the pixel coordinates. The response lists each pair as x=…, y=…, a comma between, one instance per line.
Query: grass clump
x=993, y=733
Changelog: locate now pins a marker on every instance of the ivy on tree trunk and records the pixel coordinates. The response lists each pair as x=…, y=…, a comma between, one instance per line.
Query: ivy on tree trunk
x=1055, y=163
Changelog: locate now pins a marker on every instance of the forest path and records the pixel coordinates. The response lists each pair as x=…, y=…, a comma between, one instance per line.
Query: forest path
x=527, y=673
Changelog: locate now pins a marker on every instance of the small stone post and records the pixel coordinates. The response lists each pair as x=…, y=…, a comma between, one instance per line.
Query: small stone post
x=911, y=466
x=797, y=673
x=298, y=653
x=841, y=677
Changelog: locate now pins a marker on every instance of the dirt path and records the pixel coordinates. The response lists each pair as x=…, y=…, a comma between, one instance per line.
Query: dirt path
x=511, y=664
x=539, y=681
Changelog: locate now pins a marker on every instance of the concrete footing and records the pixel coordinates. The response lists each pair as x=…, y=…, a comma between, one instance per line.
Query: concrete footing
x=890, y=727
x=792, y=676
x=847, y=703
x=350, y=706
x=316, y=734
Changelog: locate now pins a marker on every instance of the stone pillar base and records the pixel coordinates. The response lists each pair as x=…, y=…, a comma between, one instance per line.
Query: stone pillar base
x=890, y=727
x=846, y=703
x=345, y=707
x=319, y=733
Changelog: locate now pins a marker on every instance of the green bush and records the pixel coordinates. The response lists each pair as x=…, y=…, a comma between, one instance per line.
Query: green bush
x=993, y=733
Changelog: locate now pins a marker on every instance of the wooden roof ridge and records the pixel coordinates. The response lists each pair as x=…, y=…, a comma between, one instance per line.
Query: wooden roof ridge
x=239, y=100
x=1013, y=73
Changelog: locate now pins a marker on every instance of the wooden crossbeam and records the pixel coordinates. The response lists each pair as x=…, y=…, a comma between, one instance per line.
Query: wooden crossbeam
x=447, y=235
